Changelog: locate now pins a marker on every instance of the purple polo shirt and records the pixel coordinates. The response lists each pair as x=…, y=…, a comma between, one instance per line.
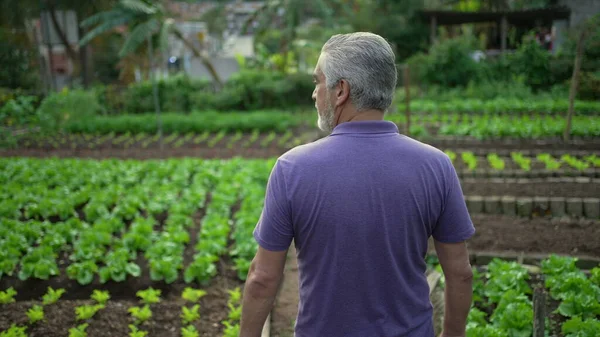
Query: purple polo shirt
x=360, y=205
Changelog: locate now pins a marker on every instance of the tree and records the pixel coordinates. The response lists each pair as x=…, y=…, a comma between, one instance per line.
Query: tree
x=397, y=21
x=587, y=27
x=144, y=19
x=15, y=13
x=288, y=15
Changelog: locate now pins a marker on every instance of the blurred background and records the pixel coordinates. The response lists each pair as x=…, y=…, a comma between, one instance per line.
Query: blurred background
x=243, y=56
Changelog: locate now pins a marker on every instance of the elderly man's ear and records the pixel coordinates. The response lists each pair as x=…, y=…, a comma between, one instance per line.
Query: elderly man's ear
x=342, y=92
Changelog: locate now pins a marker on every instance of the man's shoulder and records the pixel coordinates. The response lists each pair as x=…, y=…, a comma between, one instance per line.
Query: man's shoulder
x=423, y=150
x=305, y=152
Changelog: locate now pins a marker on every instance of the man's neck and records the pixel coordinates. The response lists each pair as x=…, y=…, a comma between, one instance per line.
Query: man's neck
x=367, y=115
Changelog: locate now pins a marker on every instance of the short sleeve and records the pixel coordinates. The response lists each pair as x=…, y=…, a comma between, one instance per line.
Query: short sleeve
x=454, y=223
x=274, y=230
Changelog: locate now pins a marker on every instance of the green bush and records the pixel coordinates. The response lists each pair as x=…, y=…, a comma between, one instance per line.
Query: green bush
x=533, y=63
x=450, y=64
x=111, y=97
x=58, y=108
x=19, y=111
x=254, y=89
x=589, y=86
x=175, y=94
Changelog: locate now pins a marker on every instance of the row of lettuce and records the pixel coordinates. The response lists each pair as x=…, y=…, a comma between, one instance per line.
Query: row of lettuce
x=139, y=315
x=104, y=213
x=522, y=162
x=181, y=128
x=502, y=299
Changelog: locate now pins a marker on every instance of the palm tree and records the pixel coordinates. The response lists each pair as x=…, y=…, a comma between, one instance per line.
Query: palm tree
x=287, y=15
x=145, y=19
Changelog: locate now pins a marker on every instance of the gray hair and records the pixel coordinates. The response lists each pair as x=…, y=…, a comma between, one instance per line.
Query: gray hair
x=367, y=62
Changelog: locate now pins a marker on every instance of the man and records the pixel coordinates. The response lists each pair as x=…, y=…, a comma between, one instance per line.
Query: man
x=360, y=206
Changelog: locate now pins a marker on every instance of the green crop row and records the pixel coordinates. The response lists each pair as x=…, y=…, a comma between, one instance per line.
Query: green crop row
x=504, y=289
x=494, y=126
x=498, y=163
x=100, y=298
x=104, y=213
x=501, y=106
x=196, y=122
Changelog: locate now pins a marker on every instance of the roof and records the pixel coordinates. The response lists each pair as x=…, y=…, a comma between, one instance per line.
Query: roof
x=447, y=17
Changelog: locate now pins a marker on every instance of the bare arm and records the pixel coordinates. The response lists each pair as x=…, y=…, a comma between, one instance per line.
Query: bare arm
x=264, y=277
x=454, y=259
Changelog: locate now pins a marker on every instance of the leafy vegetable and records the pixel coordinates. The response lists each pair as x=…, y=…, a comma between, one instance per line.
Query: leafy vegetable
x=451, y=155
x=576, y=327
x=118, y=266
x=504, y=276
x=52, y=296
x=35, y=314
x=469, y=159
x=39, y=263
x=192, y=295
x=79, y=331
x=149, y=296
x=523, y=162
x=188, y=315
x=595, y=276
x=514, y=314
x=14, y=331
x=100, y=296
x=189, y=331
x=231, y=329
x=556, y=265
x=140, y=314
x=495, y=161
x=134, y=332
x=83, y=272
x=575, y=163
x=8, y=296
x=85, y=312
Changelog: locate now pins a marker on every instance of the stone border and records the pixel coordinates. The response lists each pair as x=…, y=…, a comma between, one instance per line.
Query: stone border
x=593, y=173
x=483, y=258
x=482, y=152
x=482, y=177
x=534, y=206
x=468, y=141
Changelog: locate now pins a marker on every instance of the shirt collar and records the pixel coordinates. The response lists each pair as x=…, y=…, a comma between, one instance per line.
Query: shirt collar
x=362, y=127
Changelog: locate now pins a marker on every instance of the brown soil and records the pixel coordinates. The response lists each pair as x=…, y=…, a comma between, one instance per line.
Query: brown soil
x=537, y=235
x=494, y=233
x=114, y=319
x=486, y=187
x=102, y=147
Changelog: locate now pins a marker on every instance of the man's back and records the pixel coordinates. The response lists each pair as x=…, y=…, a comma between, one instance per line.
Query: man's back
x=360, y=206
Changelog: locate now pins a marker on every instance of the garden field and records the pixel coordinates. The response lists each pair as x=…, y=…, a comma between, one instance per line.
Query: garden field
x=124, y=227
x=100, y=235
x=110, y=228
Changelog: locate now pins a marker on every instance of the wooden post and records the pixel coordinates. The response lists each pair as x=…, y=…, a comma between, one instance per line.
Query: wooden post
x=155, y=91
x=539, y=312
x=503, y=32
x=574, y=83
x=407, y=95
x=433, y=29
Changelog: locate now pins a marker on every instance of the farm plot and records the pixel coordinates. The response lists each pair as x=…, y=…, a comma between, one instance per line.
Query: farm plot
x=503, y=299
x=99, y=232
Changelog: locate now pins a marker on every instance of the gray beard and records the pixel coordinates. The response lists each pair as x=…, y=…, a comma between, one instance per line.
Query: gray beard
x=326, y=122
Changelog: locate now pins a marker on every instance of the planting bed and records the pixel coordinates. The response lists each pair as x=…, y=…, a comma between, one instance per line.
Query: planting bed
x=124, y=226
